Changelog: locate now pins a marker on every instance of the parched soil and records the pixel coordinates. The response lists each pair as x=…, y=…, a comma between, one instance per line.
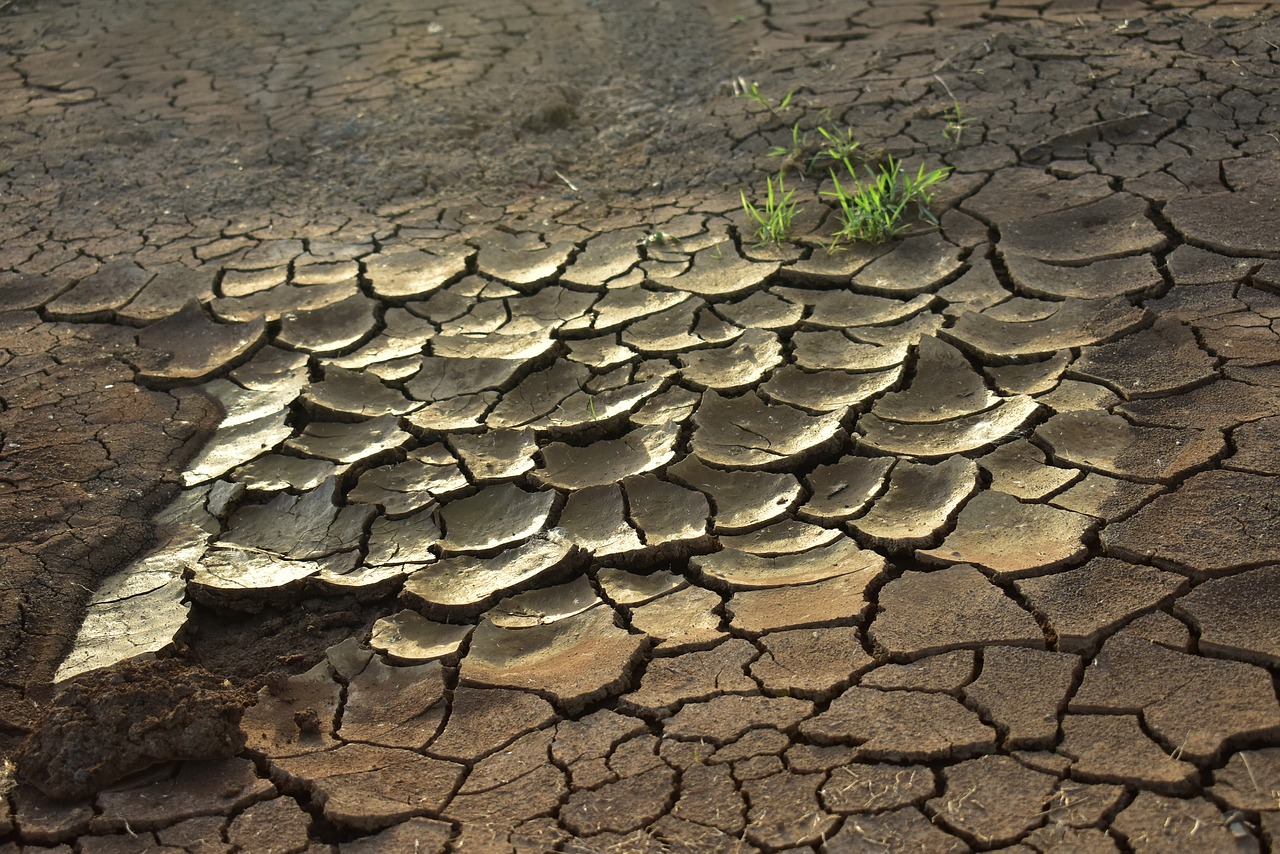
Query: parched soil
x=406, y=443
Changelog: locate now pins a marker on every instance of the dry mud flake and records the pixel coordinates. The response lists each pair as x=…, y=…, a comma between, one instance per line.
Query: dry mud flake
x=1108, y=228
x=945, y=386
x=1238, y=617
x=189, y=345
x=495, y=516
x=1023, y=691
x=669, y=682
x=1249, y=781
x=364, y=787
x=747, y=433
x=1153, y=362
x=408, y=637
x=905, y=829
x=946, y=438
x=1114, y=749
x=942, y=673
x=214, y=788
x=111, y=723
x=1022, y=327
x=1112, y=445
x=466, y=584
x=1155, y=824
x=1215, y=523
x=1112, y=278
x=1194, y=706
x=724, y=719
x=575, y=660
x=924, y=613
x=1012, y=538
x=901, y=726
x=609, y=461
x=1230, y=223
x=918, y=503
x=744, y=499
x=993, y=799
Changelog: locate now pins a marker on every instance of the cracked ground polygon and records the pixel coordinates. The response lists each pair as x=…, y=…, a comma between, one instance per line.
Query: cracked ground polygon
x=537, y=506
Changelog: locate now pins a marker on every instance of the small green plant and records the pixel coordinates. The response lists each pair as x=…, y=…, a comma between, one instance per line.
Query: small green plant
x=839, y=146
x=795, y=152
x=751, y=91
x=773, y=222
x=874, y=210
x=956, y=121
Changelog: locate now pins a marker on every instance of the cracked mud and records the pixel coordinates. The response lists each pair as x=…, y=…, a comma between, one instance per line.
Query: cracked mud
x=407, y=448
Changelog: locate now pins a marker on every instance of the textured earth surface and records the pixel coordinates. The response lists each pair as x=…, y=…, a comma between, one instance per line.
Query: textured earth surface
x=406, y=446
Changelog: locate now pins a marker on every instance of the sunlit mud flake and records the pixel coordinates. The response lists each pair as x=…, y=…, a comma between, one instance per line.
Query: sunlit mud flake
x=278, y=473
x=673, y=406
x=302, y=527
x=402, y=340
x=399, y=275
x=274, y=303
x=365, y=787
x=628, y=588
x=607, y=461
x=743, y=363
x=402, y=488
x=606, y=256
x=521, y=259
x=577, y=660
x=1238, y=617
x=272, y=367
x=681, y=327
x=666, y=514
x=538, y=395
x=743, y=499
x=239, y=404
x=831, y=350
x=493, y=517
x=596, y=519
x=919, y=502
x=604, y=398
x=1113, y=748
x=443, y=379
x=924, y=613
x=406, y=540
x=544, y=605
x=234, y=444
x=1048, y=328
x=942, y=439
x=787, y=537
x=93, y=297
x=242, y=283
x=189, y=346
x=832, y=600
x=761, y=310
x=1112, y=278
x=687, y=619
x=1110, y=444
x=1190, y=704
x=334, y=327
x=600, y=353
x=464, y=412
x=735, y=569
x=1108, y=228
x=913, y=266
x=323, y=272
x=842, y=309
x=1033, y=378
x=1084, y=605
x=1018, y=468
x=996, y=531
x=355, y=393
x=137, y=611
x=1219, y=405
x=394, y=706
x=993, y=799
x=1230, y=223
x=466, y=585
x=294, y=716
x=901, y=726
x=908, y=333
x=746, y=432
x=827, y=391
x=342, y=442
x=619, y=307
x=721, y=272
x=171, y=289
x=408, y=637
x=669, y=682
x=1023, y=691
x=945, y=386
x=1079, y=396
x=842, y=489
x=976, y=289
x=492, y=346
x=495, y=454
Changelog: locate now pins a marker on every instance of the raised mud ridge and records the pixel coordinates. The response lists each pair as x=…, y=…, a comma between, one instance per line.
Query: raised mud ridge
x=529, y=506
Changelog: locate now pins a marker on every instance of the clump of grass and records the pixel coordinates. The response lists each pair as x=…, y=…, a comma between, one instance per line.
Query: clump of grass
x=875, y=210
x=773, y=221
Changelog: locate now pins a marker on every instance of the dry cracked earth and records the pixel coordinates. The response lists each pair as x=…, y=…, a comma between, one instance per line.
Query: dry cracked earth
x=407, y=447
